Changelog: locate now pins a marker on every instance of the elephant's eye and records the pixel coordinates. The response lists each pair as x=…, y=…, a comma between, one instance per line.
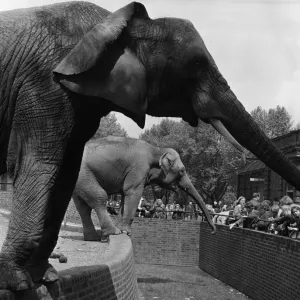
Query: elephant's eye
x=200, y=62
x=170, y=162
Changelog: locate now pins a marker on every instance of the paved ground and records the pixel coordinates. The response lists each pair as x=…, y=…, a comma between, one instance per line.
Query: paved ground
x=71, y=244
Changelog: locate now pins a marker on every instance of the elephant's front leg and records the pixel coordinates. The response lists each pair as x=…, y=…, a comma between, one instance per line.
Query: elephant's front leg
x=127, y=212
x=46, y=174
x=31, y=195
x=58, y=203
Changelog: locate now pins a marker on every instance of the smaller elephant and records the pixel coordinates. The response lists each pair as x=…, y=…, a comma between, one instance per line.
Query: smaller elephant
x=126, y=166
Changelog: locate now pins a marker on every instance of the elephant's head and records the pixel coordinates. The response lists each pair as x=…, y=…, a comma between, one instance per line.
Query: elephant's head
x=162, y=67
x=174, y=173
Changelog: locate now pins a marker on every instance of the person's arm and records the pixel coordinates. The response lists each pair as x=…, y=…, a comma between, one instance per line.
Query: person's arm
x=280, y=220
x=139, y=206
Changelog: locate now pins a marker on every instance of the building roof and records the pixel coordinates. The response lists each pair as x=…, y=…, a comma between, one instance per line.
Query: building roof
x=253, y=167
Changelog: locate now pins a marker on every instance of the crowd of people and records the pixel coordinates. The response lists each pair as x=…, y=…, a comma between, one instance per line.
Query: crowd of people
x=281, y=217
x=159, y=210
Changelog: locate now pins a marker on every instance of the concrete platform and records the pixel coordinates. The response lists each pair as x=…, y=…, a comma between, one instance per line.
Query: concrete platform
x=93, y=271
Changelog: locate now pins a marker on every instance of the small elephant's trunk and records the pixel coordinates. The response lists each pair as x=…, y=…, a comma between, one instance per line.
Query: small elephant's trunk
x=186, y=185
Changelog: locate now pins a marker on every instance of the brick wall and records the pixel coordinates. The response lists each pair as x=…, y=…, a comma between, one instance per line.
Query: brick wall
x=262, y=266
x=168, y=242
x=156, y=241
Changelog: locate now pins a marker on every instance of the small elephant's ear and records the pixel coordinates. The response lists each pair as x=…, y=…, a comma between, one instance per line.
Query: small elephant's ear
x=101, y=65
x=165, y=163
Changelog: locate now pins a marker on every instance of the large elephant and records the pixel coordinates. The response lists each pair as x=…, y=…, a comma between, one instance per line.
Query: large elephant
x=64, y=66
x=126, y=166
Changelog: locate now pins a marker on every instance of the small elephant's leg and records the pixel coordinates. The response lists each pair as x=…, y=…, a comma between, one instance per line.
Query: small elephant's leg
x=106, y=223
x=95, y=197
x=84, y=210
x=126, y=214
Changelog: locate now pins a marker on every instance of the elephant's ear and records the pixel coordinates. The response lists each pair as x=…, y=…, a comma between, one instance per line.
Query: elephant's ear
x=101, y=65
x=165, y=163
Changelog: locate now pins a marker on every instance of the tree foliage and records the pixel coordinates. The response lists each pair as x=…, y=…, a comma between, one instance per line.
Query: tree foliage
x=274, y=122
x=109, y=126
x=211, y=162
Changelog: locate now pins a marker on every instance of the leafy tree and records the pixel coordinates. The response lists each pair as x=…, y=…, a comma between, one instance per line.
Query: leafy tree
x=109, y=126
x=260, y=116
x=297, y=126
x=274, y=122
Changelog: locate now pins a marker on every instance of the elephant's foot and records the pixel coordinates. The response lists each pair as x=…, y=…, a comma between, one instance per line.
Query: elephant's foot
x=123, y=228
x=43, y=272
x=107, y=231
x=112, y=230
x=127, y=230
x=14, y=277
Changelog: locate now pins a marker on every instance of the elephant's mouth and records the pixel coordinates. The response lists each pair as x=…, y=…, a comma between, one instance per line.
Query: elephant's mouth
x=192, y=119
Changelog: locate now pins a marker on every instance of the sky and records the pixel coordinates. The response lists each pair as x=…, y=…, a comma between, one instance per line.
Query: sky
x=255, y=43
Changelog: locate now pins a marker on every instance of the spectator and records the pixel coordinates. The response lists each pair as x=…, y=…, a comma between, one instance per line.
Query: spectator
x=146, y=209
x=220, y=204
x=162, y=213
x=169, y=211
x=111, y=207
x=215, y=204
x=265, y=214
x=197, y=213
x=117, y=206
x=255, y=200
x=283, y=202
x=275, y=208
x=295, y=213
x=254, y=213
x=157, y=208
x=284, y=220
x=284, y=210
x=239, y=208
x=238, y=212
x=141, y=206
x=177, y=214
x=189, y=211
x=210, y=208
x=251, y=214
x=224, y=207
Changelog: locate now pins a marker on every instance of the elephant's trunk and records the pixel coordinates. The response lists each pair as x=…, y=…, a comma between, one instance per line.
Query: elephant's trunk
x=245, y=131
x=186, y=185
